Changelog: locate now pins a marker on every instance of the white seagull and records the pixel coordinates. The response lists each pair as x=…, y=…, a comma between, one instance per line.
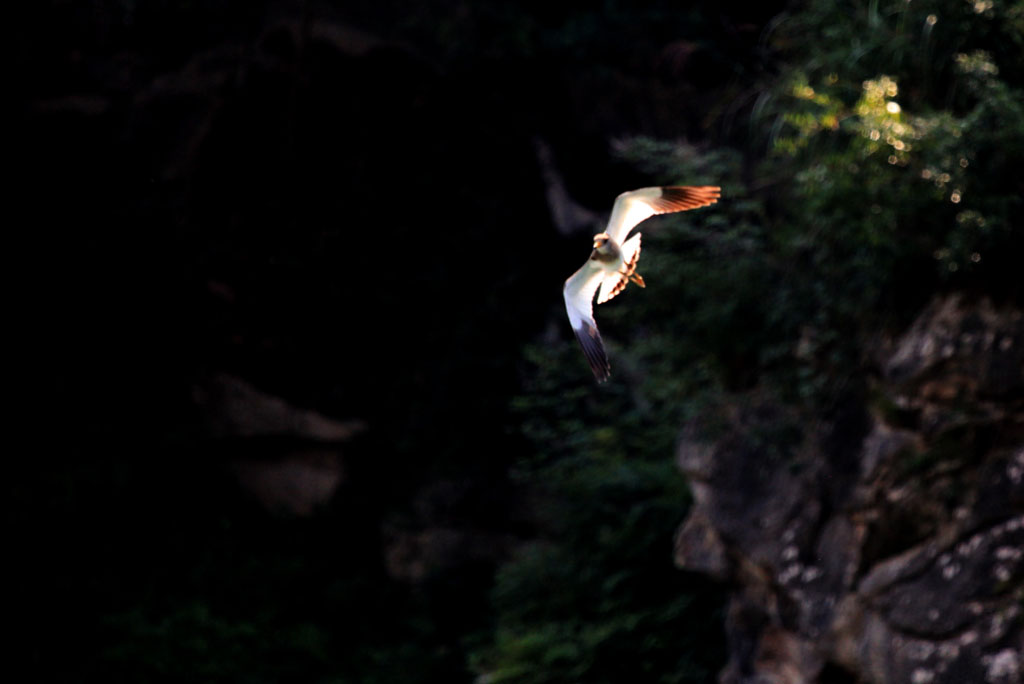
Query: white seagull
x=612, y=264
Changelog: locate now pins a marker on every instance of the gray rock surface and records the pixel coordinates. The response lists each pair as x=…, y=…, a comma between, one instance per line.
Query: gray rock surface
x=886, y=543
x=288, y=458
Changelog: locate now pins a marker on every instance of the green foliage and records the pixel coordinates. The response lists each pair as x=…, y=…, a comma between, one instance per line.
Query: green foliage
x=890, y=148
x=597, y=598
x=882, y=168
x=190, y=641
x=351, y=629
x=503, y=30
x=249, y=599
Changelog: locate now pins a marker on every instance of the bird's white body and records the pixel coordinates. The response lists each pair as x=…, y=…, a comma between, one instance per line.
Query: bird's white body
x=612, y=263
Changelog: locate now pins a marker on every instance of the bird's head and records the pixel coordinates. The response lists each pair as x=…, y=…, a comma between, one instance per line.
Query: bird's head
x=600, y=240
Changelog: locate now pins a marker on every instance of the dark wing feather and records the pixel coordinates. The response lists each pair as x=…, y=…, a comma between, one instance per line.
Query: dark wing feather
x=593, y=349
x=579, y=305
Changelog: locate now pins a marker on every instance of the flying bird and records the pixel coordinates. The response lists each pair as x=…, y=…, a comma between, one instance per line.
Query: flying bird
x=612, y=263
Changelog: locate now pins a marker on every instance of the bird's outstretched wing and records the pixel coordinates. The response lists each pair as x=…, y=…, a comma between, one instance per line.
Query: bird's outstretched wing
x=636, y=205
x=579, y=304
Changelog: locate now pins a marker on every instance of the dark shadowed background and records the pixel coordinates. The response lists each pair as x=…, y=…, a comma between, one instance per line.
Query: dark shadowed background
x=291, y=275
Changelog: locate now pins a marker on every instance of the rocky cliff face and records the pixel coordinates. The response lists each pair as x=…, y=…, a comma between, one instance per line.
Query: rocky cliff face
x=885, y=544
